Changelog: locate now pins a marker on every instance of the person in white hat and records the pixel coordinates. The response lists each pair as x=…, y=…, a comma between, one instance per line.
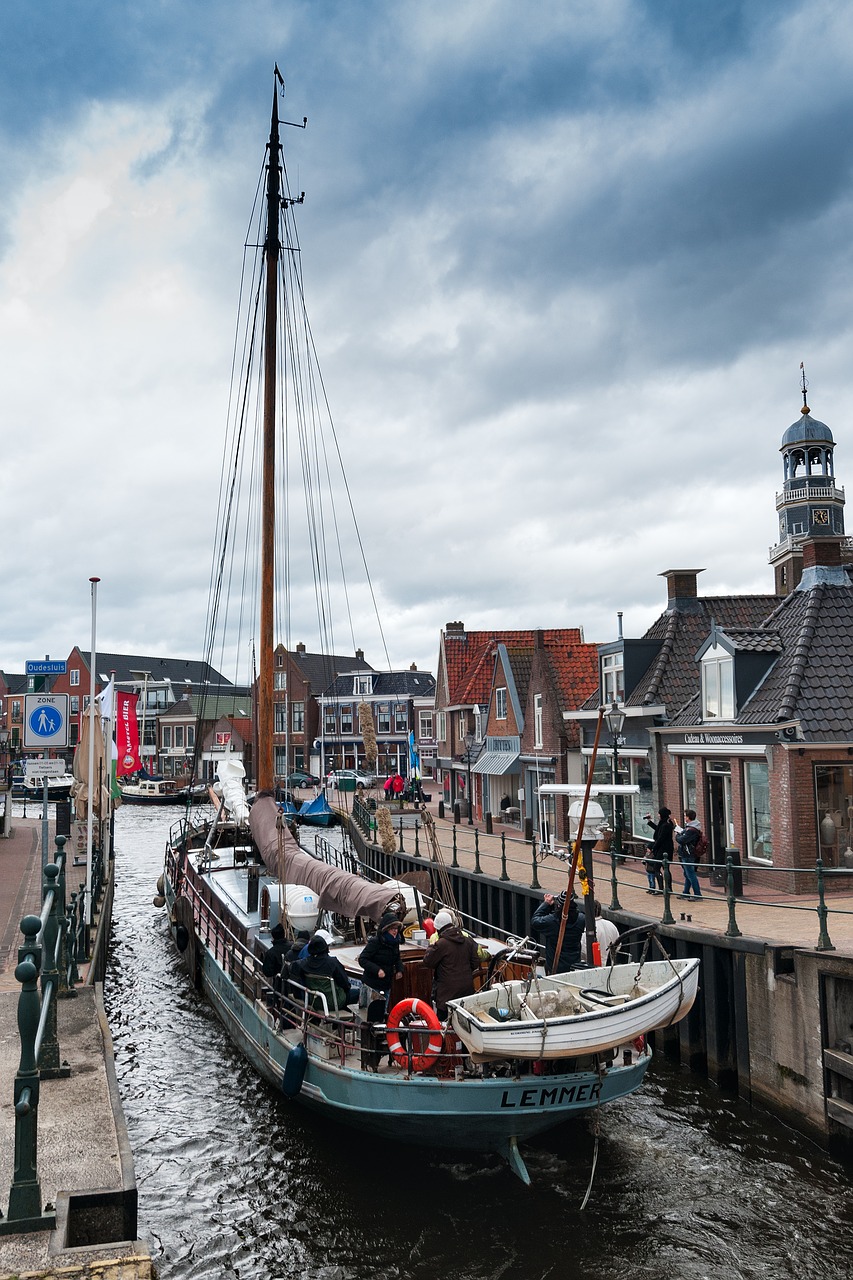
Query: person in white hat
x=454, y=961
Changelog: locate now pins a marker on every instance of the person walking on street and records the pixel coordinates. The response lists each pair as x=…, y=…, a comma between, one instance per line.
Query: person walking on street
x=687, y=839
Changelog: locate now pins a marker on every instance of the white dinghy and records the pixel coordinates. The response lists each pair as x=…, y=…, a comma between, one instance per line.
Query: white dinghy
x=571, y=1015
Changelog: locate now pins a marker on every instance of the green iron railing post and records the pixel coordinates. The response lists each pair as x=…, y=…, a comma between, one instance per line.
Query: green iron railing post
x=25, y=1211
x=534, y=883
x=504, y=875
x=614, y=884
x=401, y=850
x=478, y=870
x=667, y=917
x=455, y=862
x=417, y=842
x=62, y=915
x=824, y=942
x=49, y=1052
x=732, y=931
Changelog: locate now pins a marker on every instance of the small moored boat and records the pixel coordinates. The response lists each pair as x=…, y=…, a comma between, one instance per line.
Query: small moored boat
x=572, y=1015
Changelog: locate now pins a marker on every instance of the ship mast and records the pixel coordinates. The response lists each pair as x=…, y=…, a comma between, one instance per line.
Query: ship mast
x=272, y=248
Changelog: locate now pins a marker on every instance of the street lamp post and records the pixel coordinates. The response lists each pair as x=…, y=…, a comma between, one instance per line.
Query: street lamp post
x=468, y=757
x=615, y=718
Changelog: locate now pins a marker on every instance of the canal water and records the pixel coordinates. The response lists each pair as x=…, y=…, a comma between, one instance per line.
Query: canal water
x=234, y=1181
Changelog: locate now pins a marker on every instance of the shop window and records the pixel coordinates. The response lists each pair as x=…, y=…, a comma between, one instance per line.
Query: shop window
x=688, y=785
x=756, y=781
x=834, y=802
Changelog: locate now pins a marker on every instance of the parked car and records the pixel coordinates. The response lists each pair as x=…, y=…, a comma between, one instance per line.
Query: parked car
x=299, y=778
x=350, y=780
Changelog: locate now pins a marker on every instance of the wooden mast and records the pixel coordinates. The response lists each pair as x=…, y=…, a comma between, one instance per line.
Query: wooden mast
x=272, y=247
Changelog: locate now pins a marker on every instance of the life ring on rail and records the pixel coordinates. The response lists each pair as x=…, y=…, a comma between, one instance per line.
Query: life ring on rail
x=413, y=1016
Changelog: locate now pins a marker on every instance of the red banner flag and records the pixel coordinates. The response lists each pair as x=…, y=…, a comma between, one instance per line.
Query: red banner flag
x=127, y=735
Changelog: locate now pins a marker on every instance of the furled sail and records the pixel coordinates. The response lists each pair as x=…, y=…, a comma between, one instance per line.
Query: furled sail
x=339, y=891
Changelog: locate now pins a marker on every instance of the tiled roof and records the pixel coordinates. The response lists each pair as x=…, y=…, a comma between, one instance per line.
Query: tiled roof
x=322, y=669
x=671, y=677
x=177, y=670
x=754, y=640
x=811, y=681
x=468, y=658
x=390, y=684
x=574, y=668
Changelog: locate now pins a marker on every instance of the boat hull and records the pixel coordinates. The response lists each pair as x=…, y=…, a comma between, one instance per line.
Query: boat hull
x=474, y=1115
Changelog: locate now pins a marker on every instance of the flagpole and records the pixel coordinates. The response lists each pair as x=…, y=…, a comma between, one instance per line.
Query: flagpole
x=91, y=769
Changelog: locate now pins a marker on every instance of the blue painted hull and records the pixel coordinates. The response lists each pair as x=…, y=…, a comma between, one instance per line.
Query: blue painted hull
x=470, y=1114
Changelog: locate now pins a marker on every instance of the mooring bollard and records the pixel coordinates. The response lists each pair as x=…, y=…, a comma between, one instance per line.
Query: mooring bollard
x=417, y=843
x=504, y=875
x=478, y=870
x=732, y=931
x=667, y=917
x=824, y=942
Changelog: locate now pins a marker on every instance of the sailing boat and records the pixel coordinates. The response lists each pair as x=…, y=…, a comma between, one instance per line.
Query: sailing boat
x=235, y=873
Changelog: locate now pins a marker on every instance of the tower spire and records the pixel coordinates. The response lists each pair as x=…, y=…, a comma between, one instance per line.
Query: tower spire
x=804, y=382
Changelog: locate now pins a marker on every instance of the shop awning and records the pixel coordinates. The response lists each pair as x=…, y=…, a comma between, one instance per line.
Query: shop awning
x=497, y=763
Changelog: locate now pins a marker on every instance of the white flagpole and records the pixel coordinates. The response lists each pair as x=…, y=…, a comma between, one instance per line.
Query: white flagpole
x=92, y=712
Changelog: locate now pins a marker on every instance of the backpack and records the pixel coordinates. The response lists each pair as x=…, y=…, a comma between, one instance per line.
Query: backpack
x=700, y=848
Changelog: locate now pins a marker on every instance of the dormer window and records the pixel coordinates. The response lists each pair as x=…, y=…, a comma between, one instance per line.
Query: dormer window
x=363, y=685
x=612, y=677
x=718, y=684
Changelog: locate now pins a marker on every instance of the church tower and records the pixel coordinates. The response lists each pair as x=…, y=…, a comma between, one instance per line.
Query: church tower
x=810, y=503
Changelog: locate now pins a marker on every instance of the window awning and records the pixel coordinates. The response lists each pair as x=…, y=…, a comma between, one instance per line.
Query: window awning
x=497, y=763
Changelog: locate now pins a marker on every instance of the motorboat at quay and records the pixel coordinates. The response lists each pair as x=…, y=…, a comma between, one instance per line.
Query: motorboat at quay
x=233, y=872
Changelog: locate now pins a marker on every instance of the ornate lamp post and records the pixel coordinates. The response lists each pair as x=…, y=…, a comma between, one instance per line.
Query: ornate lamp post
x=615, y=718
x=468, y=756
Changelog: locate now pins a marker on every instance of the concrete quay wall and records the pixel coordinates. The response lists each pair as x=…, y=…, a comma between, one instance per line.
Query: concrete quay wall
x=773, y=1020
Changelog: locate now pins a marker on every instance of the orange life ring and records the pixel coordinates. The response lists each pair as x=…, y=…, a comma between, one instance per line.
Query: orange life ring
x=417, y=1014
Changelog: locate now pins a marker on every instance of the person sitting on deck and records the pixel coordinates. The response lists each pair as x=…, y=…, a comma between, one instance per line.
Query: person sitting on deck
x=319, y=964
x=546, y=921
x=276, y=955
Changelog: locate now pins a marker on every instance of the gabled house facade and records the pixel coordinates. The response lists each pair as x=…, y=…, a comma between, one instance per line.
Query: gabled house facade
x=300, y=680
x=392, y=697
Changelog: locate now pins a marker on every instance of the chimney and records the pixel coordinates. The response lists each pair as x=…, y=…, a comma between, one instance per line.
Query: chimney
x=538, y=639
x=823, y=563
x=359, y=653
x=300, y=648
x=454, y=629
x=413, y=667
x=821, y=551
x=681, y=590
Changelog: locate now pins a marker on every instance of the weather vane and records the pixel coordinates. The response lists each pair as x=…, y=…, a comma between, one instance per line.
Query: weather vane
x=805, y=383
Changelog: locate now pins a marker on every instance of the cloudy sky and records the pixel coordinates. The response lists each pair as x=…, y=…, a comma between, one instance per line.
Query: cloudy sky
x=562, y=262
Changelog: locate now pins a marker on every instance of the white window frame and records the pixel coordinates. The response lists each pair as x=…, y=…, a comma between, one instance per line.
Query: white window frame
x=74, y=676
x=537, y=720
x=718, y=685
x=613, y=677
x=425, y=722
x=500, y=704
x=441, y=726
x=279, y=679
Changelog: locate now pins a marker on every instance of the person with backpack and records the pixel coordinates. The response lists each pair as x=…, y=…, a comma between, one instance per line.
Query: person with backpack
x=688, y=839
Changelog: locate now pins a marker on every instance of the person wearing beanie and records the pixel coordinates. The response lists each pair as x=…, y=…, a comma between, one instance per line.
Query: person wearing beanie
x=454, y=960
x=274, y=957
x=299, y=946
x=319, y=964
x=380, y=959
x=546, y=922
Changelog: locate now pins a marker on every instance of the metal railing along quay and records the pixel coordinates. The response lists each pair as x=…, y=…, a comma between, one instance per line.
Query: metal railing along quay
x=528, y=865
x=55, y=943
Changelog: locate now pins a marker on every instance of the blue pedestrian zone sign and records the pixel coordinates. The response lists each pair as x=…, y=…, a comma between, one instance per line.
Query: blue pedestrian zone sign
x=46, y=720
